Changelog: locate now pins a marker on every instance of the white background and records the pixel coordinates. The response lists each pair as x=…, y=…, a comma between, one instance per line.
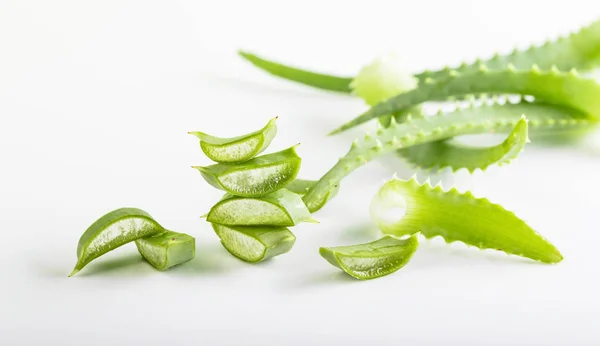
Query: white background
x=97, y=97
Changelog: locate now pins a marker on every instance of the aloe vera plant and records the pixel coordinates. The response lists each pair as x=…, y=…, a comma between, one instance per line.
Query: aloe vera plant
x=553, y=87
x=405, y=207
x=579, y=50
x=422, y=129
x=441, y=154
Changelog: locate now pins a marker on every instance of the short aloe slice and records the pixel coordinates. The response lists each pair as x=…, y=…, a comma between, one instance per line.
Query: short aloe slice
x=240, y=148
x=405, y=207
x=441, y=154
x=166, y=250
x=255, y=244
x=281, y=208
x=301, y=187
x=256, y=177
x=372, y=260
x=113, y=230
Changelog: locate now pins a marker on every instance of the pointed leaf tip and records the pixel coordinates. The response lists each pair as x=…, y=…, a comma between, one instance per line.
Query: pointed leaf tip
x=75, y=271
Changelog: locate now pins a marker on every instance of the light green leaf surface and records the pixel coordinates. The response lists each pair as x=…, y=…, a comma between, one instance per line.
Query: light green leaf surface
x=281, y=208
x=405, y=207
x=441, y=154
x=372, y=260
x=493, y=118
x=256, y=177
x=237, y=149
x=301, y=187
x=166, y=250
x=566, y=90
x=113, y=230
x=255, y=244
x=579, y=50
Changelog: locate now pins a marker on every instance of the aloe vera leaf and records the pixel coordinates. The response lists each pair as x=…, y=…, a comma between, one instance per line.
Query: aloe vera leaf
x=113, y=230
x=166, y=250
x=493, y=118
x=441, y=154
x=255, y=244
x=259, y=176
x=553, y=87
x=240, y=148
x=438, y=155
x=317, y=80
x=579, y=50
x=404, y=207
x=280, y=208
x=372, y=260
x=301, y=187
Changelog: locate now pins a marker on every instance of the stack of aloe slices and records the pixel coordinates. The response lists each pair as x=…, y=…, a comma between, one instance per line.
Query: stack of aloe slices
x=262, y=196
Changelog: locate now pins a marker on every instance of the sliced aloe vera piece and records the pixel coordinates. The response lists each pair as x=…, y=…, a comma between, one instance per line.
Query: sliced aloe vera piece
x=166, y=250
x=280, y=208
x=372, y=260
x=255, y=244
x=405, y=207
x=112, y=230
x=301, y=187
x=256, y=177
x=237, y=149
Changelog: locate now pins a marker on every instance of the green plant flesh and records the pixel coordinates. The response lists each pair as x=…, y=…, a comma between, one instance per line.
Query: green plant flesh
x=281, y=208
x=256, y=177
x=166, y=250
x=580, y=50
x=237, y=149
x=494, y=118
x=255, y=244
x=301, y=187
x=372, y=260
x=404, y=207
x=553, y=87
x=440, y=154
x=112, y=230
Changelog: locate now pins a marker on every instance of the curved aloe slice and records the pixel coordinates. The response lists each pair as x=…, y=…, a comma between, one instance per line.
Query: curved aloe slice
x=442, y=154
x=112, y=230
x=372, y=260
x=301, y=187
x=256, y=177
x=281, y=208
x=255, y=244
x=404, y=207
x=167, y=249
x=237, y=149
